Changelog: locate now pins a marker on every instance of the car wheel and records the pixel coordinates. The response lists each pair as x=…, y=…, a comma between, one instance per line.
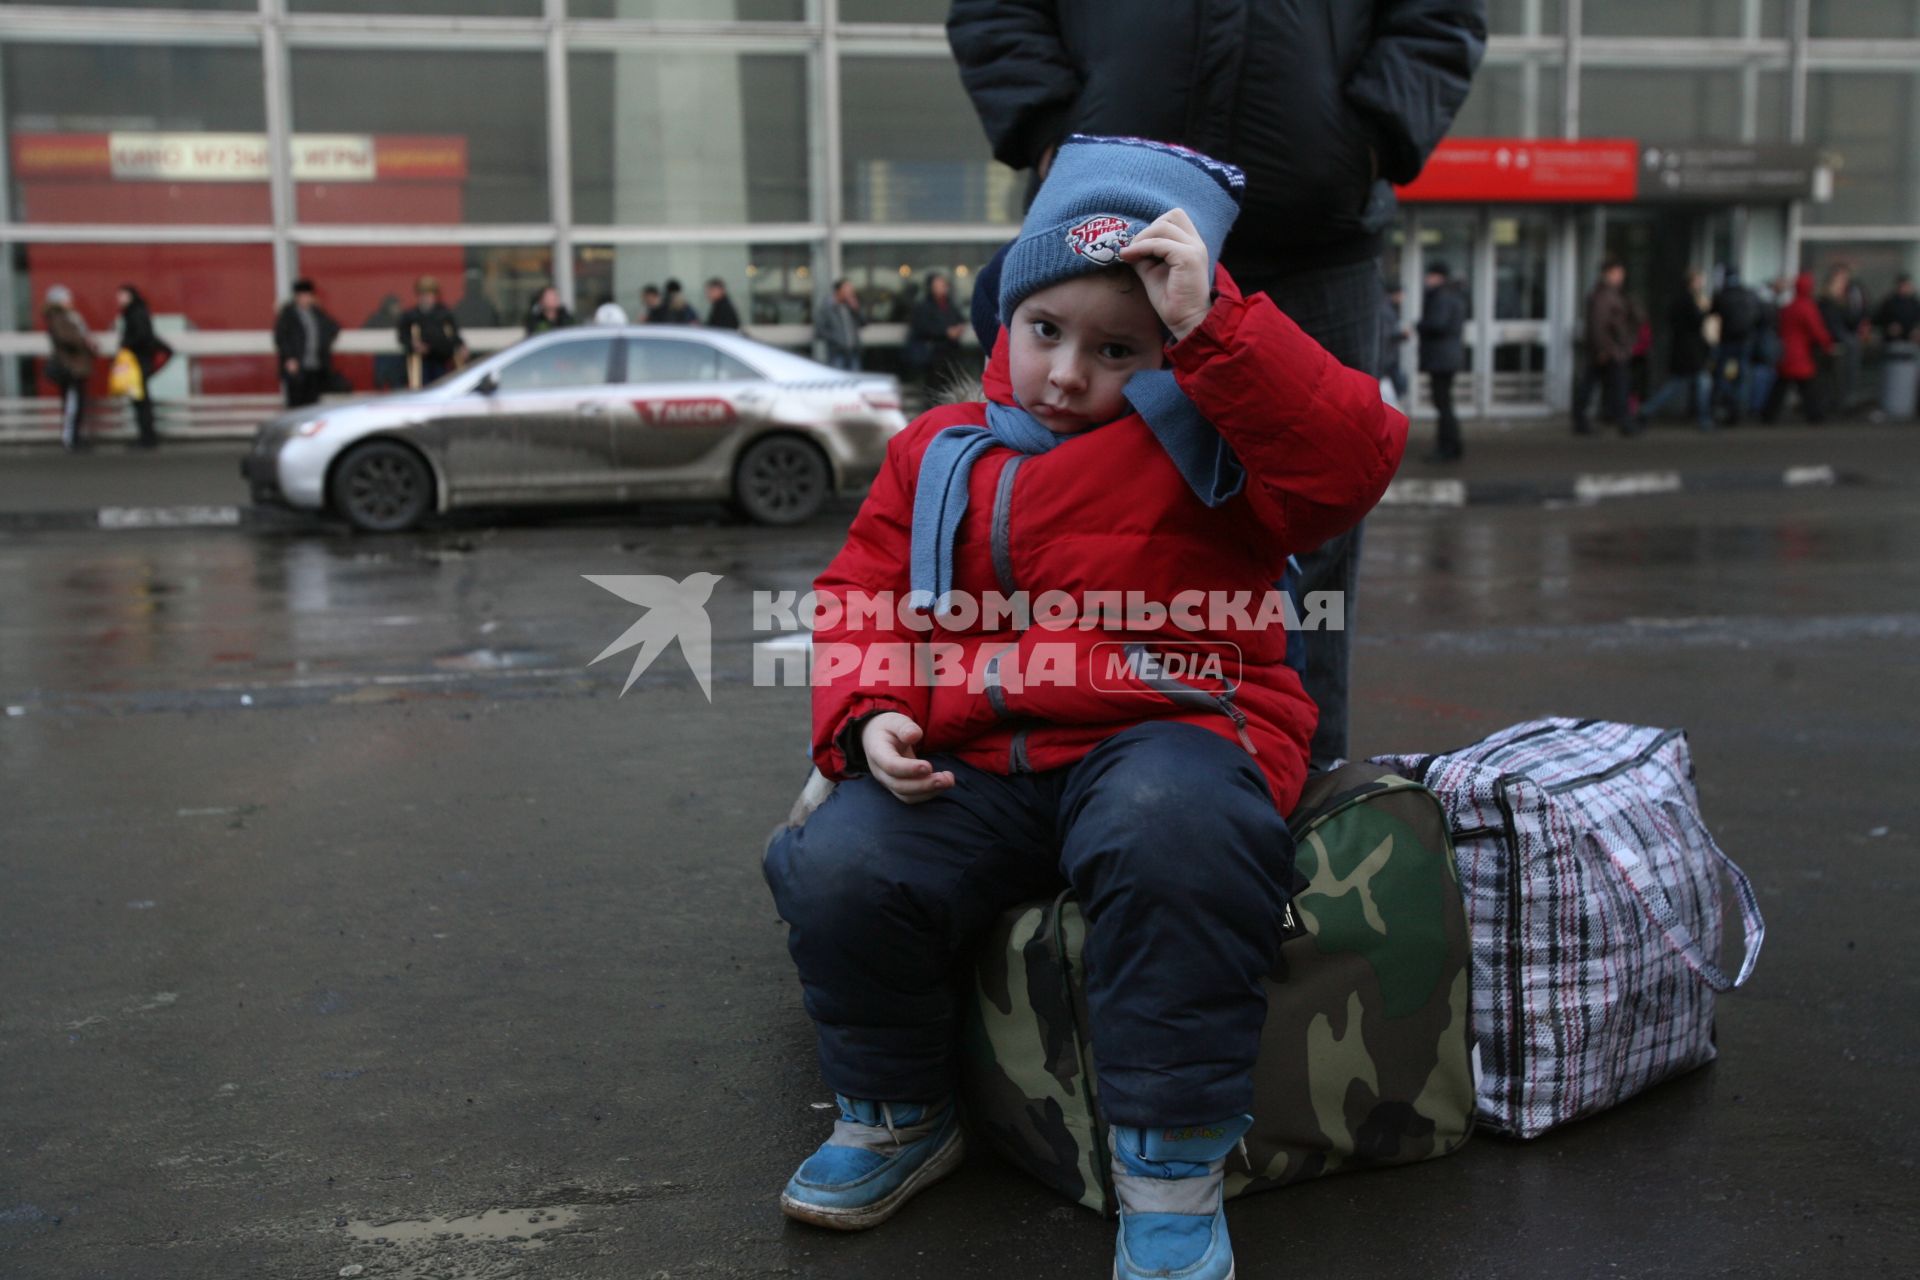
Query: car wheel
x=382, y=487
x=781, y=480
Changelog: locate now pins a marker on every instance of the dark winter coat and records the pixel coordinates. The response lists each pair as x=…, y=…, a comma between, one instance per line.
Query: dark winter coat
x=1899, y=317
x=137, y=335
x=438, y=329
x=290, y=336
x=539, y=322
x=1108, y=511
x=1443, y=321
x=1322, y=102
x=928, y=346
x=72, y=354
x=1687, y=352
x=1611, y=329
x=1739, y=311
x=721, y=315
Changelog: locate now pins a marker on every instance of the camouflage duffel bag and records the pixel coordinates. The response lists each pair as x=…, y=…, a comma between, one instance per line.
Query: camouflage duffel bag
x=1366, y=1059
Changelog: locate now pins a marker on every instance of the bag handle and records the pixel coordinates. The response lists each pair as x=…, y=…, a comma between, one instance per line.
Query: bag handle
x=1659, y=908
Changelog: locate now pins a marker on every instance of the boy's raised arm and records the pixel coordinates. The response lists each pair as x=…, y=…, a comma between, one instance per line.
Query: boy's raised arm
x=1318, y=442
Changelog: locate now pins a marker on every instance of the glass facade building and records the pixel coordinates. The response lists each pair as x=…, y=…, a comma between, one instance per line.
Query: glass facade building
x=212, y=151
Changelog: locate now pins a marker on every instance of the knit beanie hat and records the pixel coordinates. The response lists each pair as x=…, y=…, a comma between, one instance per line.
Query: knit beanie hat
x=1099, y=195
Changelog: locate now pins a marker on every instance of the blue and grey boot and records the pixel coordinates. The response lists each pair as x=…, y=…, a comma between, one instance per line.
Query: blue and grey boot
x=880, y=1155
x=1173, y=1224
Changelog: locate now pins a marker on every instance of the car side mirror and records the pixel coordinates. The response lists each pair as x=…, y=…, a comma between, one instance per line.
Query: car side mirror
x=487, y=385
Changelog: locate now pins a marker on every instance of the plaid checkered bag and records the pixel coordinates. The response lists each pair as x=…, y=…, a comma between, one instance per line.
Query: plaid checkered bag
x=1593, y=897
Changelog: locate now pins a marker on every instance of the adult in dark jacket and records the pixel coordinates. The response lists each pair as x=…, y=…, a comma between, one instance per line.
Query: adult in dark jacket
x=1687, y=354
x=1843, y=309
x=429, y=335
x=548, y=313
x=1898, y=314
x=933, y=334
x=138, y=339
x=1443, y=354
x=1739, y=310
x=674, y=308
x=1612, y=327
x=720, y=310
x=303, y=337
x=1323, y=103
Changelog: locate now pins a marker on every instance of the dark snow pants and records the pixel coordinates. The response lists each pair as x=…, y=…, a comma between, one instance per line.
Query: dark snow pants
x=1169, y=838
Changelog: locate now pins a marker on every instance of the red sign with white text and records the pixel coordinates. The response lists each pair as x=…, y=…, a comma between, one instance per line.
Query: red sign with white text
x=1529, y=171
x=702, y=412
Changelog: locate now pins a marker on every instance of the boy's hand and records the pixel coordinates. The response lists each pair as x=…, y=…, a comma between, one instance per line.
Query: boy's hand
x=888, y=739
x=1171, y=260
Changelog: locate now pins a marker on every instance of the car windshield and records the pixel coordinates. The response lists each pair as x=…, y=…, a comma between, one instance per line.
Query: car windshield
x=577, y=362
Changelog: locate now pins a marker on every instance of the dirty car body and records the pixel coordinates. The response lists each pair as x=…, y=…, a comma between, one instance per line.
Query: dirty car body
x=592, y=414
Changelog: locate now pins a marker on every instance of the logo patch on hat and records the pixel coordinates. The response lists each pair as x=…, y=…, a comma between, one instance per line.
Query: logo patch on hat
x=1100, y=238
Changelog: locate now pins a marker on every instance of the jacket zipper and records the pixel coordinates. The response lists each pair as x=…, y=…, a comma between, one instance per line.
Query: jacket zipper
x=1225, y=700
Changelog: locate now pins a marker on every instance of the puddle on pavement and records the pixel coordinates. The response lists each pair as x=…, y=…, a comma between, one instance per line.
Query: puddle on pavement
x=524, y=1226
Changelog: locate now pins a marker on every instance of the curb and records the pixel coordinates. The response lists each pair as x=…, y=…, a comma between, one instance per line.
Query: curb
x=1587, y=488
x=1583, y=489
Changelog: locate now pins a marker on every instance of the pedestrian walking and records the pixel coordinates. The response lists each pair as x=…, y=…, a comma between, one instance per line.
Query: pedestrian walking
x=1843, y=309
x=720, y=312
x=1802, y=332
x=70, y=362
x=836, y=326
x=430, y=336
x=548, y=313
x=1393, y=336
x=1325, y=104
x=933, y=334
x=303, y=337
x=1612, y=328
x=148, y=352
x=1688, y=356
x=675, y=309
x=652, y=311
x=1738, y=310
x=1443, y=354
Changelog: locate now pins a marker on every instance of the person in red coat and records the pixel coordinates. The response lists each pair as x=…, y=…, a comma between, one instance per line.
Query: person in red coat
x=1152, y=448
x=1801, y=331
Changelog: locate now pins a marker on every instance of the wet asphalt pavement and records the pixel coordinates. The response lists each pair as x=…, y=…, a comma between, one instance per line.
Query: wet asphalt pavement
x=352, y=920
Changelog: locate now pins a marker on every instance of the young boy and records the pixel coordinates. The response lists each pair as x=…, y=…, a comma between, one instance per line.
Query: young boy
x=1158, y=797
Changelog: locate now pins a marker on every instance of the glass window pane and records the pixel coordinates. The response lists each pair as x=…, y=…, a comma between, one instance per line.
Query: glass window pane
x=1692, y=105
x=891, y=278
x=577, y=362
x=1858, y=20
x=1498, y=105
x=691, y=10
x=1524, y=17
x=1870, y=122
x=150, y=134
x=689, y=139
x=368, y=286
x=475, y=141
x=228, y=5
x=1663, y=18
x=929, y=11
x=914, y=149
x=189, y=288
x=1771, y=107
x=769, y=284
x=424, y=8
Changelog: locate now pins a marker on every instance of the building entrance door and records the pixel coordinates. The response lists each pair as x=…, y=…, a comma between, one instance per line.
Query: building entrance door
x=1503, y=259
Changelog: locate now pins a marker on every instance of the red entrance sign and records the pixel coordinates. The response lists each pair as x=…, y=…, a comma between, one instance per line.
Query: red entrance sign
x=1529, y=171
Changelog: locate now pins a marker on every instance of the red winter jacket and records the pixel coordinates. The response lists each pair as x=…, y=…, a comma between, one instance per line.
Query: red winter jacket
x=1106, y=511
x=1801, y=330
